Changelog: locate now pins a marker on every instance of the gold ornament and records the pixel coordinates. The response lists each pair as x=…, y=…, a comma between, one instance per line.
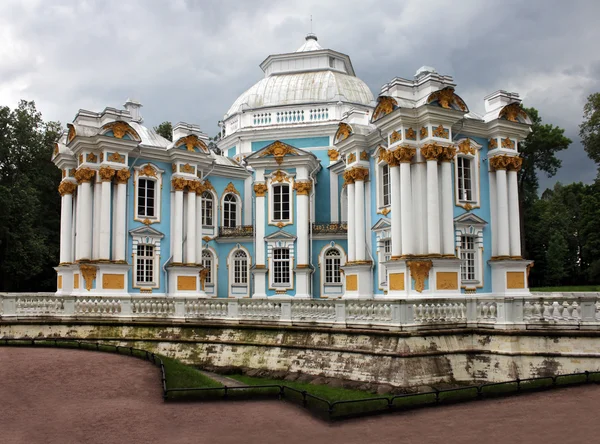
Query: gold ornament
x=106, y=174
x=230, y=188
x=441, y=132
x=385, y=211
x=146, y=221
x=192, y=141
x=493, y=144
x=80, y=158
x=364, y=156
x=404, y=154
x=119, y=129
x=71, y=134
x=431, y=151
x=500, y=162
x=123, y=176
x=207, y=186
x=424, y=132
x=446, y=98
x=333, y=155
x=351, y=158
x=512, y=112
x=395, y=137
x=84, y=175
x=384, y=107
x=187, y=168
x=382, y=155
x=419, y=271
x=91, y=157
x=344, y=131
x=515, y=163
x=279, y=176
x=203, y=275
x=55, y=152
x=260, y=189
x=279, y=150
x=64, y=173
x=360, y=173
x=348, y=177
x=410, y=134
x=448, y=153
x=66, y=187
x=303, y=188
x=465, y=147
x=89, y=274
x=148, y=170
x=173, y=167
x=507, y=143
x=179, y=183
x=116, y=157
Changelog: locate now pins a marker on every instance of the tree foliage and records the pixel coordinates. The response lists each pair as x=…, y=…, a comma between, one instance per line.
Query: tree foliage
x=29, y=202
x=165, y=129
x=589, y=130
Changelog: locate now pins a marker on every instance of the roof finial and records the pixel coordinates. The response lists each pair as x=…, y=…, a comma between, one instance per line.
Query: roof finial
x=311, y=24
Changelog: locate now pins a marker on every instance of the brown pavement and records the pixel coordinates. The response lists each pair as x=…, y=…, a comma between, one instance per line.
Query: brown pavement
x=72, y=396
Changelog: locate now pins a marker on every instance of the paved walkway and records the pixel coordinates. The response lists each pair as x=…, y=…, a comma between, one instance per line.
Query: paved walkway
x=71, y=396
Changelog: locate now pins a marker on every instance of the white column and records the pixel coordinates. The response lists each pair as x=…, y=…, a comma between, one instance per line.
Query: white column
x=302, y=191
x=351, y=222
x=359, y=215
x=120, y=216
x=66, y=221
x=334, y=197
x=177, y=223
x=84, y=235
x=447, y=206
x=105, y=219
x=199, y=225
x=493, y=207
x=259, y=226
x=406, y=209
x=97, y=215
x=419, y=205
x=513, y=214
x=190, y=253
x=433, y=208
x=502, y=213
x=396, y=212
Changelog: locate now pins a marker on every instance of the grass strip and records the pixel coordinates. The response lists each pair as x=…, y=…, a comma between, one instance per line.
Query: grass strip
x=568, y=288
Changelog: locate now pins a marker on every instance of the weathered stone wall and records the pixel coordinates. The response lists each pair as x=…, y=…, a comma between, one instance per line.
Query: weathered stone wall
x=397, y=358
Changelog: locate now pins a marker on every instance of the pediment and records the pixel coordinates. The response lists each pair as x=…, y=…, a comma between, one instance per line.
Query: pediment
x=280, y=235
x=146, y=231
x=469, y=219
x=382, y=224
x=278, y=150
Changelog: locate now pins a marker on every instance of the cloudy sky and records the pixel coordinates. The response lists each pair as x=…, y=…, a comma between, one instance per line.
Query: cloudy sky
x=188, y=60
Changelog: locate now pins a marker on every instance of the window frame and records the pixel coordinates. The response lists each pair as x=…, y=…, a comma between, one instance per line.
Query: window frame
x=225, y=211
x=286, y=268
x=288, y=192
x=468, y=257
x=149, y=173
x=472, y=154
x=238, y=289
x=149, y=264
x=381, y=186
x=204, y=200
x=470, y=227
x=332, y=289
x=465, y=184
x=287, y=180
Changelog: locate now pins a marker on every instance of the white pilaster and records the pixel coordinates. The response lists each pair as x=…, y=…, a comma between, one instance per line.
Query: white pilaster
x=395, y=208
x=177, y=223
x=66, y=225
x=433, y=208
x=97, y=216
x=502, y=213
x=334, y=197
x=406, y=209
x=359, y=216
x=351, y=223
x=493, y=212
x=260, y=230
x=120, y=219
x=447, y=214
x=199, y=226
x=190, y=253
x=302, y=228
x=105, y=220
x=513, y=214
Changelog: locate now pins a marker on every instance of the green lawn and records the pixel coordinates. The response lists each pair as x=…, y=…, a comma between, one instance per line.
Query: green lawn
x=569, y=289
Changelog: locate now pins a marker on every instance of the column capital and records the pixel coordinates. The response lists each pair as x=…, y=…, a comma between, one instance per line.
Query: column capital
x=404, y=154
x=123, y=175
x=106, y=174
x=260, y=189
x=303, y=187
x=504, y=162
x=448, y=153
x=84, y=175
x=66, y=187
x=179, y=183
x=515, y=163
x=431, y=151
x=348, y=177
x=360, y=174
x=194, y=186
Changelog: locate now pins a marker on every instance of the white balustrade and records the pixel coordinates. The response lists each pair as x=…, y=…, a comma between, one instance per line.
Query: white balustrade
x=313, y=311
x=152, y=307
x=205, y=308
x=444, y=311
x=97, y=306
x=369, y=312
x=551, y=310
x=486, y=311
x=260, y=309
x=39, y=306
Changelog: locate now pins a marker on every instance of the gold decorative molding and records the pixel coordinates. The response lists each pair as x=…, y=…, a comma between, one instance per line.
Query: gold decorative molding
x=493, y=144
x=66, y=187
x=424, y=132
x=446, y=280
x=465, y=147
x=116, y=157
x=260, y=189
x=192, y=141
x=419, y=271
x=364, y=156
x=101, y=157
x=441, y=132
x=512, y=112
x=113, y=281
x=208, y=186
x=71, y=135
x=385, y=211
x=404, y=154
x=279, y=176
x=410, y=134
x=106, y=174
x=343, y=132
x=515, y=280
x=333, y=154
x=55, y=152
x=179, y=183
x=360, y=174
x=448, y=153
x=396, y=281
x=515, y=163
x=91, y=158
x=123, y=176
x=186, y=283
x=89, y=274
x=120, y=129
x=147, y=170
x=230, y=188
x=351, y=282
x=348, y=177
x=83, y=175
x=59, y=283
x=395, y=137
x=446, y=98
x=508, y=143
x=203, y=275
x=280, y=225
x=351, y=158
x=75, y=281
x=303, y=187
x=384, y=107
x=187, y=168
x=505, y=162
x=279, y=150
x=173, y=167
x=431, y=151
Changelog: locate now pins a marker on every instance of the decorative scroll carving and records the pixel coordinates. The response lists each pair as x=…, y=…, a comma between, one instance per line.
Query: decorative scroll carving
x=278, y=150
x=391, y=159
x=260, y=189
x=446, y=98
x=66, y=187
x=382, y=155
x=84, y=175
x=178, y=183
x=123, y=176
x=410, y=134
x=385, y=211
x=344, y=131
x=465, y=147
x=116, y=157
x=71, y=135
x=279, y=176
x=360, y=173
x=351, y=158
x=504, y=162
x=512, y=113
x=333, y=155
x=192, y=141
x=89, y=274
x=208, y=186
x=493, y=144
x=424, y=132
x=148, y=170
x=119, y=130
x=230, y=188
x=395, y=137
x=203, y=275
x=447, y=154
x=508, y=143
x=106, y=174
x=333, y=228
x=515, y=163
x=348, y=177
x=91, y=157
x=431, y=151
x=404, y=154
x=187, y=168
x=364, y=156
x=441, y=132
x=384, y=107
x=303, y=187
x=419, y=271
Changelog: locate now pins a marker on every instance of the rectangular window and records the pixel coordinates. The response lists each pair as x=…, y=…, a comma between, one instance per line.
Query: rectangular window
x=281, y=266
x=145, y=264
x=281, y=202
x=207, y=264
x=465, y=180
x=207, y=209
x=332, y=267
x=240, y=268
x=467, y=255
x=386, y=189
x=387, y=250
x=146, y=195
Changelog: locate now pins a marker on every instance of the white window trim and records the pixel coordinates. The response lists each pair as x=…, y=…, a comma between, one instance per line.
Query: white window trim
x=238, y=209
x=382, y=236
x=290, y=260
x=477, y=233
x=475, y=201
x=231, y=272
x=214, y=271
x=215, y=207
x=290, y=201
x=322, y=268
x=288, y=244
x=379, y=195
x=289, y=181
x=146, y=239
x=139, y=172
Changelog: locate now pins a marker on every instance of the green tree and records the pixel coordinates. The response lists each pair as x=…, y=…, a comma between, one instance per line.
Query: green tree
x=556, y=259
x=30, y=215
x=589, y=130
x=165, y=129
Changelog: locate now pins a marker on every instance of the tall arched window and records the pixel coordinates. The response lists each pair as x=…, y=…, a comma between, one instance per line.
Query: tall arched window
x=146, y=196
x=333, y=259
x=207, y=263
x=229, y=211
x=207, y=209
x=281, y=202
x=240, y=267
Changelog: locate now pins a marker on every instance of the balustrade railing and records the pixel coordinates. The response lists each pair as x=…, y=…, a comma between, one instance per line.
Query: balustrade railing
x=535, y=311
x=330, y=228
x=238, y=231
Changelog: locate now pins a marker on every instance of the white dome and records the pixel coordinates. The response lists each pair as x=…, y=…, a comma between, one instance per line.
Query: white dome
x=302, y=88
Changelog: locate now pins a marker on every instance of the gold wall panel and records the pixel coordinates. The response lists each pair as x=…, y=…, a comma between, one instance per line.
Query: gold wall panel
x=76, y=281
x=352, y=282
x=186, y=283
x=59, y=282
x=113, y=281
x=515, y=279
x=397, y=281
x=446, y=280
